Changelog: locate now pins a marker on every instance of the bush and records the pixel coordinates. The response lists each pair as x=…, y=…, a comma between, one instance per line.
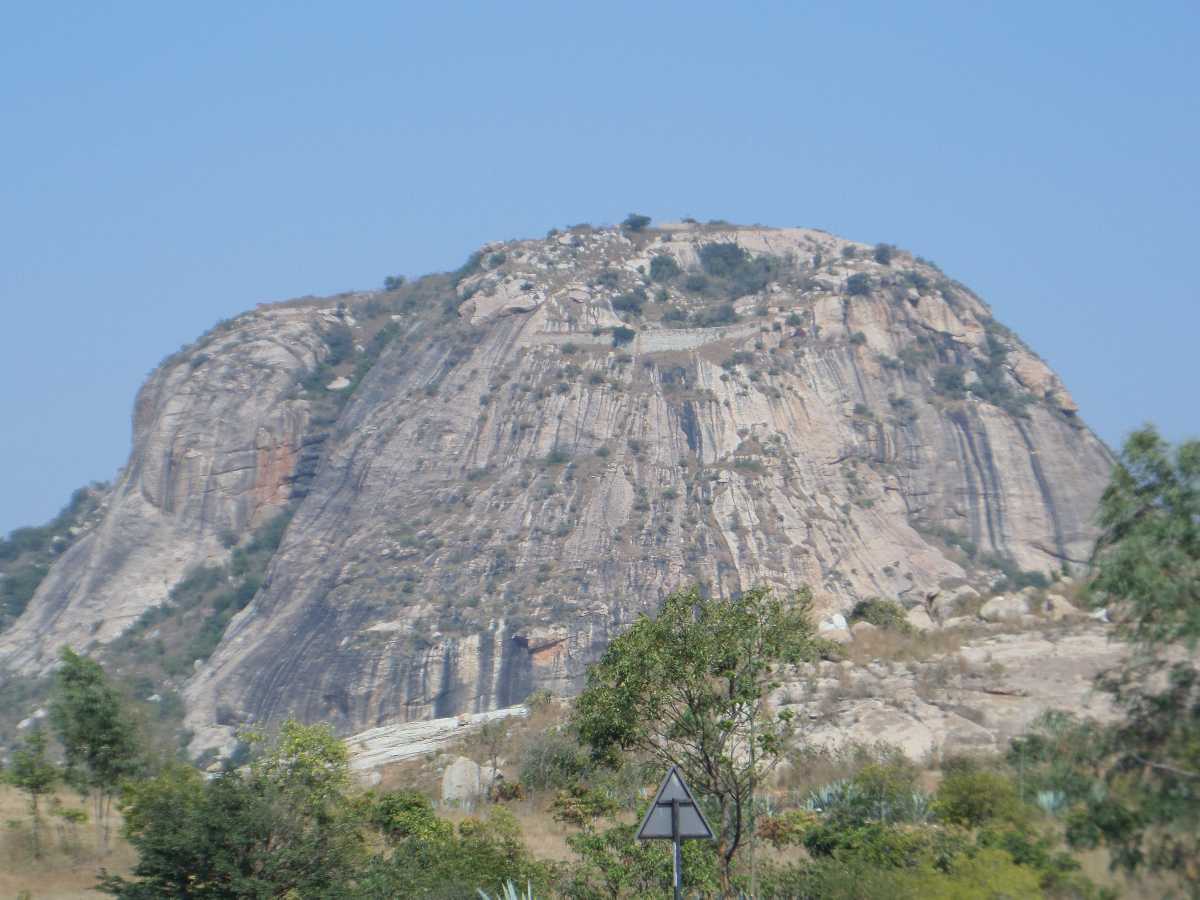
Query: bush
x=724, y=314
x=849, y=251
x=858, y=285
x=393, y=282
x=622, y=335
x=740, y=273
x=340, y=342
x=608, y=279
x=554, y=760
x=723, y=260
x=881, y=613
x=973, y=797
x=663, y=268
x=883, y=254
x=630, y=302
x=695, y=283
x=635, y=222
x=950, y=380
x=858, y=339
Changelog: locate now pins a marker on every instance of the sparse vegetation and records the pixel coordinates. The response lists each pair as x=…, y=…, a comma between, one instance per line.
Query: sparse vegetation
x=622, y=336
x=664, y=268
x=635, y=222
x=887, y=614
x=858, y=285
x=736, y=270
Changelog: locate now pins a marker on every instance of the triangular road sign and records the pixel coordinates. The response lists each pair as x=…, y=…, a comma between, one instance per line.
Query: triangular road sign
x=674, y=814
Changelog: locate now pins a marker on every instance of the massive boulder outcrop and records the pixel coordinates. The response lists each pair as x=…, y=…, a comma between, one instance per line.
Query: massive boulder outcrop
x=562, y=433
x=217, y=433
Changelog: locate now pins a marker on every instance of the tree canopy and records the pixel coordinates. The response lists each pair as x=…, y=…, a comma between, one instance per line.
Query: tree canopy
x=688, y=686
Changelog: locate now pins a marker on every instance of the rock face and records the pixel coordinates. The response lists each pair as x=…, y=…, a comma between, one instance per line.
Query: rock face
x=974, y=701
x=558, y=437
x=217, y=435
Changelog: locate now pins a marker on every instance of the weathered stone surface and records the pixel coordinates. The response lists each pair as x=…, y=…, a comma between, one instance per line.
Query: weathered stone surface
x=1005, y=608
x=490, y=508
x=1057, y=607
x=462, y=781
x=976, y=701
x=919, y=619
x=949, y=603
x=394, y=743
x=217, y=432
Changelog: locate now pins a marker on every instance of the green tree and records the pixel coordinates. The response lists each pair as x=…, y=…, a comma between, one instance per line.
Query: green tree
x=635, y=222
x=285, y=824
x=97, y=732
x=1146, y=808
x=31, y=772
x=689, y=686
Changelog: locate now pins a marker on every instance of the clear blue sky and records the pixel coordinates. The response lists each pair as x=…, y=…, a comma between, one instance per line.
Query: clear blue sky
x=166, y=165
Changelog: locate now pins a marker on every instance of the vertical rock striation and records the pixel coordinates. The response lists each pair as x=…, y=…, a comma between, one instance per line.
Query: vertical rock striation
x=217, y=431
x=556, y=438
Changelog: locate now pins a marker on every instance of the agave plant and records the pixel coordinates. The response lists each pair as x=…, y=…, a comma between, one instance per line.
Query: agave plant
x=920, y=807
x=509, y=891
x=837, y=795
x=1051, y=802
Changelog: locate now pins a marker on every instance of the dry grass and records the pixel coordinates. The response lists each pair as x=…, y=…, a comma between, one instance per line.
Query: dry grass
x=70, y=864
x=896, y=645
x=543, y=836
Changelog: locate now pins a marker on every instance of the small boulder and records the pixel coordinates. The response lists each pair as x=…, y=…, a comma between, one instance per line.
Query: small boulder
x=461, y=781
x=1004, y=608
x=863, y=629
x=1057, y=607
x=949, y=603
x=919, y=619
x=836, y=622
x=837, y=635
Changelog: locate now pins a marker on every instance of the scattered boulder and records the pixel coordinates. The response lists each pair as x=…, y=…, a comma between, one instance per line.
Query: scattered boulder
x=919, y=619
x=863, y=629
x=950, y=603
x=461, y=781
x=1057, y=607
x=1005, y=608
x=836, y=622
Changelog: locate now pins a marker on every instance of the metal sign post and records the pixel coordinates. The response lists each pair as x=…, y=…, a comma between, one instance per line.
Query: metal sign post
x=674, y=816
